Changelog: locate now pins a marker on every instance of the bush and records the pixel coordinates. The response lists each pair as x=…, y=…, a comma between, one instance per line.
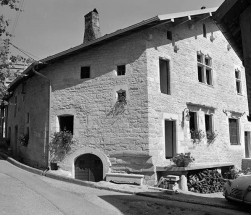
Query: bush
x=234, y=173
x=60, y=145
x=183, y=160
x=24, y=139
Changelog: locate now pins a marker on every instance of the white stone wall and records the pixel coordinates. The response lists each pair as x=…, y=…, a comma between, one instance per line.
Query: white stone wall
x=185, y=88
x=133, y=141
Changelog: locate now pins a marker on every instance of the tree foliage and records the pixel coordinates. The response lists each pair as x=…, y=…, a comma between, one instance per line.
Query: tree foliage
x=7, y=61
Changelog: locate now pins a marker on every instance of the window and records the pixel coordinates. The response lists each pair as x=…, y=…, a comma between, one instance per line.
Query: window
x=233, y=131
x=164, y=76
x=85, y=72
x=121, y=95
x=238, y=81
x=121, y=70
x=208, y=123
x=66, y=123
x=169, y=35
x=204, y=67
x=27, y=118
x=204, y=30
x=15, y=110
x=193, y=121
x=23, y=88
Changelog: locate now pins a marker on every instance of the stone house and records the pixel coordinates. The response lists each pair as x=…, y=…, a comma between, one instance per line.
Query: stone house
x=131, y=99
x=233, y=19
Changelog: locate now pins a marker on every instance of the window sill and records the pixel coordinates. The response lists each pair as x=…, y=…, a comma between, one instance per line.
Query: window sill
x=239, y=94
x=206, y=84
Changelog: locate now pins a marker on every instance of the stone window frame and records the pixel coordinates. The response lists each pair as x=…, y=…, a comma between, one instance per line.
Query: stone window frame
x=205, y=63
x=201, y=111
x=237, y=116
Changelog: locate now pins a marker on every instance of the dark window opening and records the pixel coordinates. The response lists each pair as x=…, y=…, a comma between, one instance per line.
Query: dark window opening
x=121, y=70
x=15, y=110
x=208, y=75
x=207, y=122
x=237, y=74
x=207, y=61
x=169, y=35
x=193, y=121
x=204, y=31
x=233, y=131
x=85, y=72
x=23, y=88
x=199, y=58
x=121, y=95
x=238, y=86
x=66, y=123
x=200, y=74
x=238, y=81
x=164, y=76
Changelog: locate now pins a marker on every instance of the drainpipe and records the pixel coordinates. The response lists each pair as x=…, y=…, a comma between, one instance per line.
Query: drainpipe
x=49, y=114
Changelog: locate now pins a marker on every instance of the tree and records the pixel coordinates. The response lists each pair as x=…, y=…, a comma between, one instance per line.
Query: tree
x=6, y=59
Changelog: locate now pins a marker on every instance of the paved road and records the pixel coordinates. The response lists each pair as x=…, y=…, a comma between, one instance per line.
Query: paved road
x=24, y=193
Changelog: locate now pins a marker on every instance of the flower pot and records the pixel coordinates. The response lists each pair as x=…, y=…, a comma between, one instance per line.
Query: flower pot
x=54, y=166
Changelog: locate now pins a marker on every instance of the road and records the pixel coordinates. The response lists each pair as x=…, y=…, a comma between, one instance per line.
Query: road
x=24, y=193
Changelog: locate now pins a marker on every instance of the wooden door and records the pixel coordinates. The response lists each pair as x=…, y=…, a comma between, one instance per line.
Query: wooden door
x=89, y=167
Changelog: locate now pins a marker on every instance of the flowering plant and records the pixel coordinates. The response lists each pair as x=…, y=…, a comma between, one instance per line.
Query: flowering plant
x=183, y=160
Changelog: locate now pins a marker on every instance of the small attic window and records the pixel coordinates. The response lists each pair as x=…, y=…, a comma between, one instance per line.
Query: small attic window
x=85, y=72
x=121, y=69
x=169, y=35
x=204, y=31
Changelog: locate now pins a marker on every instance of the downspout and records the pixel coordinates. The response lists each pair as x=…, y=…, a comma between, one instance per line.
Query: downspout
x=49, y=115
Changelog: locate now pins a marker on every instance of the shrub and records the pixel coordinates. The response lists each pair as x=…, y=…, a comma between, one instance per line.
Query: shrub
x=24, y=139
x=234, y=173
x=60, y=145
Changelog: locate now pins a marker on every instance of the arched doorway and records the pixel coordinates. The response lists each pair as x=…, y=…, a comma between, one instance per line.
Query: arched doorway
x=89, y=167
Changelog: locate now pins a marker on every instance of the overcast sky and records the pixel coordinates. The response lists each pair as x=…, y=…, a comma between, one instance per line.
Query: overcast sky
x=46, y=27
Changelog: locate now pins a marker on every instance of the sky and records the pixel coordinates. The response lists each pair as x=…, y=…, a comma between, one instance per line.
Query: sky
x=47, y=27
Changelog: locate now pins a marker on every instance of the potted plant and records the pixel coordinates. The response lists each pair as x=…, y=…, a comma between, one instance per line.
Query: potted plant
x=183, y=160
x=60, y=145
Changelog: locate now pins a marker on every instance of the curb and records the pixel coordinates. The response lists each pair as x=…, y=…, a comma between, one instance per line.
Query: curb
x=95, y=185
x=61, y=178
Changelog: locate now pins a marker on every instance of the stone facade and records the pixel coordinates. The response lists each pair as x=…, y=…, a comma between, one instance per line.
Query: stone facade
x=133, y=141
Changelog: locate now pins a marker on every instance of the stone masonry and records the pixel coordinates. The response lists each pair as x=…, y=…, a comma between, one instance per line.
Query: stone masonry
x=134, y=141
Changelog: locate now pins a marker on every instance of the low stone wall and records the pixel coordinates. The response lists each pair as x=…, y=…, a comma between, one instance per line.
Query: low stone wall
x=246, y=163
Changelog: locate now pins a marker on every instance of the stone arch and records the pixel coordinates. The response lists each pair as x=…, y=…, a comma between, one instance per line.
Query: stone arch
x=86, y=150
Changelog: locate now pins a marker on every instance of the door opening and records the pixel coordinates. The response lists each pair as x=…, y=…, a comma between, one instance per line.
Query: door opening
x=89, y=167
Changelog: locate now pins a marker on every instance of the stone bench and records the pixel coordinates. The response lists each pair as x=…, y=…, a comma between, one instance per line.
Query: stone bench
x=125, y=178
x=183, y=171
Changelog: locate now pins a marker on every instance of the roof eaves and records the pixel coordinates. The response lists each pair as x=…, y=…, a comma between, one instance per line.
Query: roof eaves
x=187, y=13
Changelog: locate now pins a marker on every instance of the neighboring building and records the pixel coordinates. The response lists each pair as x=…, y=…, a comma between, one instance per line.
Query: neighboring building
x=233, y=18
x=132, y=97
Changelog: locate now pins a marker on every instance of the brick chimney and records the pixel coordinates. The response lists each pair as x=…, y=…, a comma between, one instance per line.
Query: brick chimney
x=92, y=30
